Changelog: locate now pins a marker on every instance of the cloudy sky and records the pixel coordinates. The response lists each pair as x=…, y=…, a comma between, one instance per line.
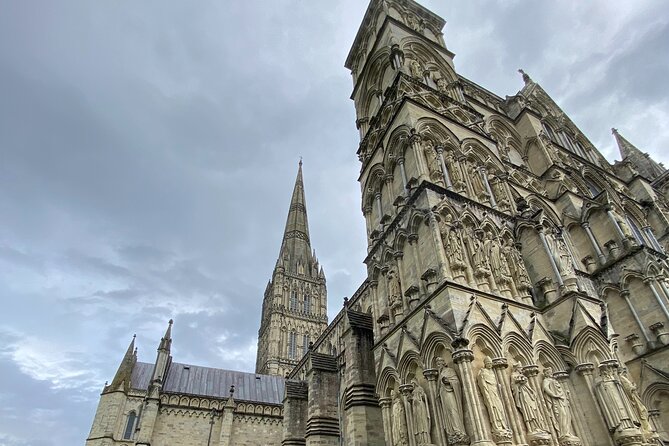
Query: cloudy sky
x=148, y=151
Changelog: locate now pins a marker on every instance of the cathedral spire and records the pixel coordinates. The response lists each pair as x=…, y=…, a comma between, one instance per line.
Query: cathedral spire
x=642, y=162
x=121, y=380
x=166, y=341
x=296, y=255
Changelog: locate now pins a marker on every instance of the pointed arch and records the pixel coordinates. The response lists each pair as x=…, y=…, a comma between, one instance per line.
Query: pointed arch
x=431, y=344
x=520, y=344
x=590, y=342
x=487, y=336
x=409, y=358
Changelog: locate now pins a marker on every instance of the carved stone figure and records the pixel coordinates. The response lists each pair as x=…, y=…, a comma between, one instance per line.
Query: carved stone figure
x=487, y=383
x=450, y=399
x=479, y=257
x=442, y=84
x=527, y=401
x=477, y=182
x=558, y=405
x=395, y=292
x=415, y=69
x=456, y=173
x=632, y=394
x=561, y=255
x=421, y=414
x=618, y=413
x=493, y=252
x=517, y=266
x=433, y=164
x=399, y=421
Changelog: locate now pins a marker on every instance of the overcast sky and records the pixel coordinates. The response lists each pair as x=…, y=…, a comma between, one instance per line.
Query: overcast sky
x=148, y=151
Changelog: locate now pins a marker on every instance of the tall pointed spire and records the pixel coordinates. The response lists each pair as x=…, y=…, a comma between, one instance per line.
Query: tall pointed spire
x=121, y=380
x=296, y=253
x=642, y=162
x=166, y=341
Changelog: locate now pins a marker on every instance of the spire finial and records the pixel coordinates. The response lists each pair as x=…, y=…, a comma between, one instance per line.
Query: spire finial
x=614, y=130
x=300, y=163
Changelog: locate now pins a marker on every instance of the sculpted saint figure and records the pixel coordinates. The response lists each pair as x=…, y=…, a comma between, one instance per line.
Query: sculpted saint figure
x=616, y=407
x=527, y=401
x=394, y=292
x=517, y=265
x=477, y=183
x=399, y=424
x=421, y=414
x=455, y=247
x=561, y=256
x=641, y=411
x=558, y=404
x=493, y=252
x=487, y=383
x=416, y=69
x=479, y=257
x=450, y=397
x=456, y=174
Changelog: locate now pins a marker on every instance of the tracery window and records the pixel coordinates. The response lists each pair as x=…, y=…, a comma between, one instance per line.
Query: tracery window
x=307, y=304
x=293, y=300
x=305, y=344
x=130, y=426
x=292, y=344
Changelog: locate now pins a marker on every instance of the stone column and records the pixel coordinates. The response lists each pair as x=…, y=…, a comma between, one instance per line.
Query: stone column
x=403, y=172
x=363, y=414
x=626, y=295
x=653, y=241
x=463, y=357
x=376, y=308
x=585, y=370
x=658, y=298
x=431, y=376
x=149, y=414
x=436, y=235
x=444, y=170
x=399, y=259
x=498, y=365
x=322, y=418
x=616, y=225
x=413, y=239
x=295, y=413
x=594, y=243
x=367, y=212
x=551, y=259
x=379, y=206
x=386, y=403
x=225, y=436
x=406, y=390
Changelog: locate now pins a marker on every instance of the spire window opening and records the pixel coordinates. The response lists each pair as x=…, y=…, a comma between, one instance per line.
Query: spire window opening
x=130, y=426
x=293, y=301
x=292, y=345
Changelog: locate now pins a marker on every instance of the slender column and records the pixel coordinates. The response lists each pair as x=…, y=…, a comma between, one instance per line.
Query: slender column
x=403, y=172
x=658, y=298
x=551, y=259
x=444, y=170
x=443, y=262
x=484, y=177
x=406, y=390
x=498, y=365
x=626, y=295
x=374, y=285
x=367, y=212
x=399, y=258
x=384, y=294
x=653, y=240
x=463, y=357
x=385, y=404
x=616, y=225
x=431, y=375
x=593, y=241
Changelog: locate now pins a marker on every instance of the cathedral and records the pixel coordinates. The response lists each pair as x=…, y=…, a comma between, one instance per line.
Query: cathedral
x=517, y=287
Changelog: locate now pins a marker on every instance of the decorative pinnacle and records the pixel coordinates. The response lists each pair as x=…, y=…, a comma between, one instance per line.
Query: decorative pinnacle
x=526, y=77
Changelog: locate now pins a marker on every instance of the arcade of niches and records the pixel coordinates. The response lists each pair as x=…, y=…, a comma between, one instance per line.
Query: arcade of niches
x=517, y=286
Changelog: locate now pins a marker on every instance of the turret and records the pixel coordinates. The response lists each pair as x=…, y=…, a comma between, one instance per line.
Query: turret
x=640, y=161
x=164, y=358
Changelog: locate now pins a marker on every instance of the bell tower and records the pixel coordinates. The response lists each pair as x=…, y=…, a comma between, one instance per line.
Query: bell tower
x=294, y=311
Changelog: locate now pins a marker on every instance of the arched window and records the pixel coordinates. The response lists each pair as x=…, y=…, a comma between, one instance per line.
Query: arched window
x=130, y=426
x=307, y=304
x=293, y=300
x=636, y=231
x=549, y=131
x=305, y=344
x=593, y=187
x=292, y=344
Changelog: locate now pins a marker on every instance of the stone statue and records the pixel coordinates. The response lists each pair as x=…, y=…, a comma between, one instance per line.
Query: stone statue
x=527, y=401
x=456, y=174
x=415, y=69
x=421, y=414
x=399, y=421
x=487, y=383
x=558, y=405
x=450, y=398
x=617, y=410
x=517, y=266
x=561, y=255
x=493, y=252
x=395, y=292
x=632, y=394
x=479, y=258
x=477, y=183
x=454, y=249
x=433, y=164
x=442, y=85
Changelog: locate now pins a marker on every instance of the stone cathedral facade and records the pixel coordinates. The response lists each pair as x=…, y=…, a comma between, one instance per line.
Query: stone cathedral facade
x=517, y=290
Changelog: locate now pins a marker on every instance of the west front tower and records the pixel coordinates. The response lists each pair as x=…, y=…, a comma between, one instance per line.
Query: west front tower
x=294, y=311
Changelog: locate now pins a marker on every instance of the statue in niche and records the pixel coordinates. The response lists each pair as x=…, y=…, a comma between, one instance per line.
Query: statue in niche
x=516, y=265
x=414, y=22
x=395, y=292
x=632, y=394
x=527, y=402
x=617, y=410
x=561, y=255
x=433, y=164
x=558, y=406
x=479, y=257
x=450, y=397
x=493, y=252
x=421, y=414
x=487, y=383
x=442, y=84
x=501, y=197
x=453, y=167
x=399, y=421
x=477, y=182
x=454, y=249
x=415, y=69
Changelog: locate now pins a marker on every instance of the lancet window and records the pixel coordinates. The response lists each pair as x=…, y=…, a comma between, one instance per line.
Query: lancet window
x=130, y=426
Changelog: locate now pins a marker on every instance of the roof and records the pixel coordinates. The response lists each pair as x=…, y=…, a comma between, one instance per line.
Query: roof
x=211, y=382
